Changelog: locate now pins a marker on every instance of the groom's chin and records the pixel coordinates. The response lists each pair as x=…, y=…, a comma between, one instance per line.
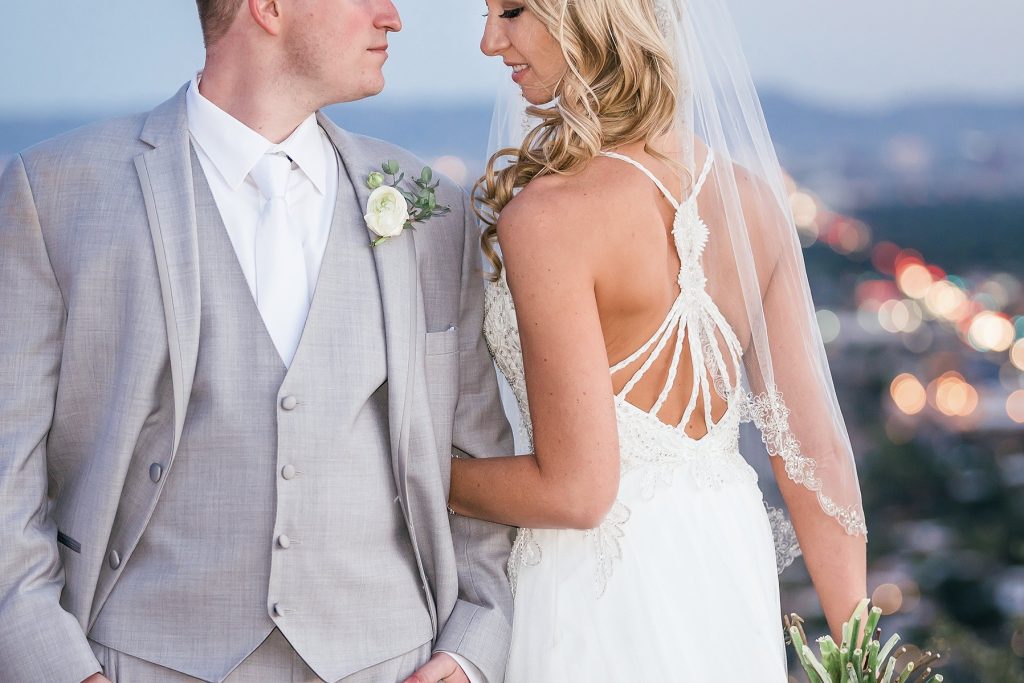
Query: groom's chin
x=353, y=95
x=371, y=87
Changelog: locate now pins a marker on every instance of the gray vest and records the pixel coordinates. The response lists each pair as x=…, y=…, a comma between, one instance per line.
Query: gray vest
x=280, y=510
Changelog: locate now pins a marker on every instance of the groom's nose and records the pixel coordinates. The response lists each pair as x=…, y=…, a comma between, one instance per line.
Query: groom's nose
x=388, y=19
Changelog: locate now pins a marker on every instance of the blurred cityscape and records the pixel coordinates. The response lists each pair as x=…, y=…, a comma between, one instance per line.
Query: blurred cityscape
x=912, y=221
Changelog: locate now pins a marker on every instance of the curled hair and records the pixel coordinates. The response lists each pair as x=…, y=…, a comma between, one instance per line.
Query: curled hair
x=619, y=88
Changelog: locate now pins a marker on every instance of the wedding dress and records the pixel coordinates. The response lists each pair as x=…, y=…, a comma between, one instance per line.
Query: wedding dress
x=679, y=582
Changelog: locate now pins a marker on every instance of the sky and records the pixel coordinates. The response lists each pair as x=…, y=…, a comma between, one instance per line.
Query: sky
x=65, y=57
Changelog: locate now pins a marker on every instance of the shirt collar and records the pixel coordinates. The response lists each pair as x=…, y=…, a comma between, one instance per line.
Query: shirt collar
x=234, y=148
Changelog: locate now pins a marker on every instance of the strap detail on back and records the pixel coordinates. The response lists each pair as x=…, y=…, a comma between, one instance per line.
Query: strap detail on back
x=693, y=319
x=705, y=172
x=633, y=162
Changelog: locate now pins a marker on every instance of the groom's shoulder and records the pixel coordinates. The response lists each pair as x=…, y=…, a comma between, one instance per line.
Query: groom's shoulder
x=411, y=164
x=94, y=143
x=376, y=147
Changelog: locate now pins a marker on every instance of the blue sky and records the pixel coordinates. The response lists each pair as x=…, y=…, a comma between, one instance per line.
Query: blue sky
x=117, y=55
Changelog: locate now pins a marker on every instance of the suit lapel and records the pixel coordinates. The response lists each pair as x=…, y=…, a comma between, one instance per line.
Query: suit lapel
x=398, y=278
x=165, y=174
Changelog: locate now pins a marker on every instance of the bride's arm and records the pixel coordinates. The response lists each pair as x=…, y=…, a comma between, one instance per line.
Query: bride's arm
x=572, y=478
x=836, y=557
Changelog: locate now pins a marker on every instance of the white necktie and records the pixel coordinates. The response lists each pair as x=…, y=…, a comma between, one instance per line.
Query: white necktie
x=282, y=289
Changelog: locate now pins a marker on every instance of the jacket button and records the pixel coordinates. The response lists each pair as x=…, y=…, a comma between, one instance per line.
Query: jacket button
x=284, y=541
x=155, y=472
x=289, y=402
x=288, y=472
x=278, y=609
x=114, y=559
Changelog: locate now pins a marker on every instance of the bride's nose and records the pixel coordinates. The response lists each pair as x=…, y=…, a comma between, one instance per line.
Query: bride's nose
x=494, y=40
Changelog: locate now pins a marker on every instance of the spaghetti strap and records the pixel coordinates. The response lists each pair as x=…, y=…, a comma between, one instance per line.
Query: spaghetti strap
x=705, y=172
x=633, y=162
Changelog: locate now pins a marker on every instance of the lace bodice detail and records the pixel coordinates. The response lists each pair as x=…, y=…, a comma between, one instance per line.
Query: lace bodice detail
x=649, y=448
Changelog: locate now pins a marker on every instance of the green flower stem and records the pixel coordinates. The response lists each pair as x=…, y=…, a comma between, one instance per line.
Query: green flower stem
x=871, y=625
x=819, y=670
x=889, y=645
x=873, y=657
x=889, y=670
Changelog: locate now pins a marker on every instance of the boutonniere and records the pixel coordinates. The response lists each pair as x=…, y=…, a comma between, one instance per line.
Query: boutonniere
x=392, y=209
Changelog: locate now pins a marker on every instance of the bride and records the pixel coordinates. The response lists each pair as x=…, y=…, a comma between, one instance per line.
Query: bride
x=648, y=297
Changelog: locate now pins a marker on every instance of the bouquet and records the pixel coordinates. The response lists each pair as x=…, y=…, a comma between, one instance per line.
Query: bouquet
x=859, y=658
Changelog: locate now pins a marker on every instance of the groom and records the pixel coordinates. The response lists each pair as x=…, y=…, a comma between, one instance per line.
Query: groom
x=226, y=420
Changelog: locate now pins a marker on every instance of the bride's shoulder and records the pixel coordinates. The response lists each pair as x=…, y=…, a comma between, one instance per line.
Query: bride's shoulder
x=565, y=211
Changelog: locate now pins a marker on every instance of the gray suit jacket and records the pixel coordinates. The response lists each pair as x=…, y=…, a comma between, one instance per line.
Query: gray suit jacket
x=90, y=224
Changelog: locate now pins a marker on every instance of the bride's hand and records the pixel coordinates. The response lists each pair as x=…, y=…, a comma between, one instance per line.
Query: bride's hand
x=441, y=667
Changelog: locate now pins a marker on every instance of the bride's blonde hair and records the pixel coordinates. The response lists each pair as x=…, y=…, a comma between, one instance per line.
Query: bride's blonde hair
x=619, y=88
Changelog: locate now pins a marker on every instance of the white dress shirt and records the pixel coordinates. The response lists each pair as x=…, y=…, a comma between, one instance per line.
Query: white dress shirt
x=228, y=150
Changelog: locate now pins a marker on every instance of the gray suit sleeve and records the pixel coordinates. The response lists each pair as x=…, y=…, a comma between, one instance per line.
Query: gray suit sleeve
x=480, y=627
x=39, y=640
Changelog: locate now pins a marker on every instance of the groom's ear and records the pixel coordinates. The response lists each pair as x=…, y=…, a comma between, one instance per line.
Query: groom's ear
x=267, y=13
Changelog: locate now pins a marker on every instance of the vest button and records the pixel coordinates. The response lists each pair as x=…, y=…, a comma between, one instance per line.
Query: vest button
x=284, y=541
x=155, y=472
x=289, y=402
x=288, y=472
x=114, y=559
x=278, y=609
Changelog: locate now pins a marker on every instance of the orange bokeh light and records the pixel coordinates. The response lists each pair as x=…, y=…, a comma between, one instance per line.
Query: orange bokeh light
x=1017, y=354
x=953, y=396
x=990, y=331
x=908, y=394
x=1015, y=406
x=914, y=279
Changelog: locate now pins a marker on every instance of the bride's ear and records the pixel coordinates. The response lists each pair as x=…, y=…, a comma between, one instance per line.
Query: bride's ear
x=267, y=14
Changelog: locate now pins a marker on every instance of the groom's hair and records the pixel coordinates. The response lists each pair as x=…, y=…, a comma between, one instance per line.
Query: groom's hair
x=216, y=17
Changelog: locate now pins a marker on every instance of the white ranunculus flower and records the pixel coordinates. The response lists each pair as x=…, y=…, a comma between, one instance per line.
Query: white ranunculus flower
x=386, y=212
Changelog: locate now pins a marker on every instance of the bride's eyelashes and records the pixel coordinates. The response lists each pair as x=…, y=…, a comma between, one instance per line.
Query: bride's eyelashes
x=509, y=13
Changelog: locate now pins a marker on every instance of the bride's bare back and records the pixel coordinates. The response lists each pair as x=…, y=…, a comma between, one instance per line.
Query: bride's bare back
x=635, y=269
